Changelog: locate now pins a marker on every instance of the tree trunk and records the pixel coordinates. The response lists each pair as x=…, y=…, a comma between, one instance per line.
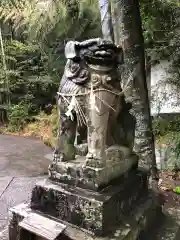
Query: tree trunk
x=128, y=34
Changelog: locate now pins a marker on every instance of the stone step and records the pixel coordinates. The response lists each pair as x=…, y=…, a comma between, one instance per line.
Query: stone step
x=41, y=226
x=130, y=228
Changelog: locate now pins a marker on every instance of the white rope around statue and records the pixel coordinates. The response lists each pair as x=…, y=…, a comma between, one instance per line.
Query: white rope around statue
x=73, y=104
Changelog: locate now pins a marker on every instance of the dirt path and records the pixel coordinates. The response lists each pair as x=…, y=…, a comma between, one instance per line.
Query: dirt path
x=23, y=161
x=22, y=156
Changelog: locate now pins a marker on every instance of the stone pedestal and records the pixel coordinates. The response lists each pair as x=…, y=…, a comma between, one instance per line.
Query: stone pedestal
x=130, y=228
x=122, y=210
x=97, y=212
x=94, y=174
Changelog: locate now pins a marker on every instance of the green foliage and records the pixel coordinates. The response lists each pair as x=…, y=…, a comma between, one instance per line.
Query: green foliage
x=64, y=18
x=162, y=126
x=159, y=22
x=28, y=73
x=31, y=85
x=167, y=133
x=177, y=190
x=19, y=116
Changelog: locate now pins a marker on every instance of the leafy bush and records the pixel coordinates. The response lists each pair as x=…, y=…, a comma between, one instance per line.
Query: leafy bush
x=28, y=74
x=162, y=126
x=30, y=84
x=167, y=133
x=18, y=116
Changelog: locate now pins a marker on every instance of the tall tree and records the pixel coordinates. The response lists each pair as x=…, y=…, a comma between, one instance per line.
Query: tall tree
x=41, y=20
x=129, y=34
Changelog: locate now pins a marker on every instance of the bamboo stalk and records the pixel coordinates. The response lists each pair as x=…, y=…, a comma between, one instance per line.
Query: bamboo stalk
x=5, y=100
x=6, y=83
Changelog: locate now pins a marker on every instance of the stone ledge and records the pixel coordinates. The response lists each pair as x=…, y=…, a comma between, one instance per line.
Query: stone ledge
x=87, y=209
x=130, y=228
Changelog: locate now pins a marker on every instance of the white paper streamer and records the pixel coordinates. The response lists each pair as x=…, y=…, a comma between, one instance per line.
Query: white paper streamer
x=106, y=20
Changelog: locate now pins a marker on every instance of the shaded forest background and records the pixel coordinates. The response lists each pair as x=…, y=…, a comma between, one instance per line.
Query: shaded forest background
x=33, y=35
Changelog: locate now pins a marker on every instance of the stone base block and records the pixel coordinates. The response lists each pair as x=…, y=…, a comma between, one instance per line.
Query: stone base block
x=138, y=221
x=84, y=174
x=97, y=212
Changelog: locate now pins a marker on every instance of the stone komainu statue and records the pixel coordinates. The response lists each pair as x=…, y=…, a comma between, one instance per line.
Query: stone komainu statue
x=93, y=114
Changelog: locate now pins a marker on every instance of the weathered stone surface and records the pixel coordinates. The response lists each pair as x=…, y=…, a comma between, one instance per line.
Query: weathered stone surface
x=16, y=216
x=41, y=226
x=91, y=103
x=130, y=228
x=90, y=210
x=79, y=174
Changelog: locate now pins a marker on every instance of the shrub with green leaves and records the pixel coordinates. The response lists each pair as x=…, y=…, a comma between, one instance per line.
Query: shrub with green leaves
x=30, y=83
x=162, y=126
x=19, y=116
x=167, y=133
